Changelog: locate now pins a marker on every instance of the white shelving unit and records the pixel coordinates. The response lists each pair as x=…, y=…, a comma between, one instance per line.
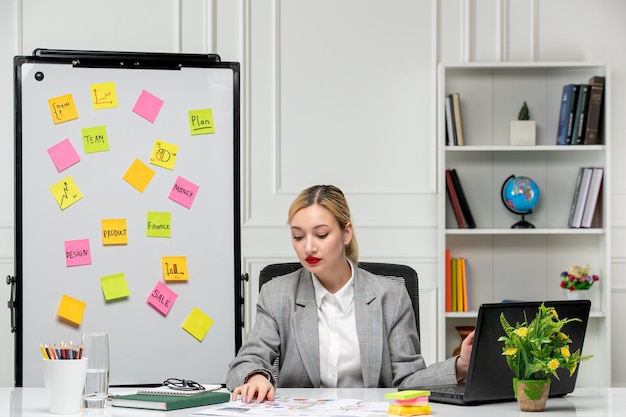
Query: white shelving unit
x=522, y=264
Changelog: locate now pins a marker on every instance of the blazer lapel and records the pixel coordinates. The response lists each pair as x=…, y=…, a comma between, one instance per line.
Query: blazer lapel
x=369, y=330
x=305, y=328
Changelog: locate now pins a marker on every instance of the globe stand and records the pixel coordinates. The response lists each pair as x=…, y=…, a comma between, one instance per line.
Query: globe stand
x=523, y=224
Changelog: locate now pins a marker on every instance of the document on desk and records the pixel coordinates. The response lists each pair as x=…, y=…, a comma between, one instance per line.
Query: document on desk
x=301, y=407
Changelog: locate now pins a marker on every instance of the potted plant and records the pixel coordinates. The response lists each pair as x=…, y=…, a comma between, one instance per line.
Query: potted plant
x=522, y=130
x=577, y=281
x=535, y=350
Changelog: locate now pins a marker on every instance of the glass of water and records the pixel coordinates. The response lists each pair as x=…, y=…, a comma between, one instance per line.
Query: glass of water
x=96, y=350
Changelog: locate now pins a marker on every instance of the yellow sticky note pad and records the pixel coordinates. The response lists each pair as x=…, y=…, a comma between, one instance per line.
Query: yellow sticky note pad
x=103, y=96
x=114, y=232
x=114, y=287
x=201, y=122
x=163, y=154
x=63, y=109
x=71, y=309
x=66, y=192
x=197, y=324
x=139, y=175
x=175, y=268
x=398, y=410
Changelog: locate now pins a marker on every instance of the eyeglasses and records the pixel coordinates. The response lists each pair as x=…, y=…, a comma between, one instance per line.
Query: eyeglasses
x=183, y=384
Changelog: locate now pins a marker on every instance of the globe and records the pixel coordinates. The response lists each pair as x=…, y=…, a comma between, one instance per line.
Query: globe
x=520, y=195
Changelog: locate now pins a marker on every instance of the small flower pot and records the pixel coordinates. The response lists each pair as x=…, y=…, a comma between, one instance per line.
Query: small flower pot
x=578, y=295
x=522, y=132
x=531, y=395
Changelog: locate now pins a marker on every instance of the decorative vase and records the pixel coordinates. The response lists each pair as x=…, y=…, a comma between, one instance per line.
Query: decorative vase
x=531, y=395
x=522, y=132
x=463, y=331
x=578, y=295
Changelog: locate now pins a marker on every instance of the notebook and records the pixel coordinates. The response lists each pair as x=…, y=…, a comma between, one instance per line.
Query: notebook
x=489, y=378
x=166, y=390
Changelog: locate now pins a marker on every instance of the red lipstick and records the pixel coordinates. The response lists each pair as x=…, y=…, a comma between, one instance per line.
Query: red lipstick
x=312, y=260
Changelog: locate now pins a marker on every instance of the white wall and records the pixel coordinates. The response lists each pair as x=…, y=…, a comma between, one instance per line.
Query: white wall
x=333, y=91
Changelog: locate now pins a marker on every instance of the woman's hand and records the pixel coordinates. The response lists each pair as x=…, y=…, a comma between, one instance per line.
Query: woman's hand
x=462, y=363
x=257, y=386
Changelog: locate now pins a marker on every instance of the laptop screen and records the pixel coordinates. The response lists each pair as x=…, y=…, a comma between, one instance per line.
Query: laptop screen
x=489, y=377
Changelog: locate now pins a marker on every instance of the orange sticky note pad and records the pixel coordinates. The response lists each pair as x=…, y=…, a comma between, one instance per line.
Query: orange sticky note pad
x=63, y=109
x=197, y=324
x=398, y=410
x=139, y=175
x=71, y=309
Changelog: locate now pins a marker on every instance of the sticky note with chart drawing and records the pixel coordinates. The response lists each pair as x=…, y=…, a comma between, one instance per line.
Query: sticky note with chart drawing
x=175, y=268
x=201, y=122
x=63, y=155
x=63, y=109
x=197, y=324
x=114, y=287
x=71, y=309
x=163, y=154
x=66, y=192
x=103, y=96
x=148, y=106
x=139, y=175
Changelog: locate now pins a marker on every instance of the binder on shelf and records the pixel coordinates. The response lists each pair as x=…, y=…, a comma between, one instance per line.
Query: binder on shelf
x=465, y=209
x=580, y=197
x=580, y=119
x=592, y=197
x=566, y=114
x=454, y=200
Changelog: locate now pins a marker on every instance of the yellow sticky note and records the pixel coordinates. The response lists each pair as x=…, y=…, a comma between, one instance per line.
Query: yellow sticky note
x=114, y=232
x=103, y=96
x=139, y=175
x=66, y=192
x=95, y=139
x=197, y=324
x=201, y=122
x=159, y=224
x=63, y=109
x=71, y=309
x=407, y=394
x=114, y=287
x=163, y=154
x=398, y=410
x=175, y=268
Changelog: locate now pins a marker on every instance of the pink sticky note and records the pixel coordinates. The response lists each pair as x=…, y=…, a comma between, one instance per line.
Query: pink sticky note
x=63, y=155
x=77, y=252
x=162, y=298
x=184, y=192
x=148, y=106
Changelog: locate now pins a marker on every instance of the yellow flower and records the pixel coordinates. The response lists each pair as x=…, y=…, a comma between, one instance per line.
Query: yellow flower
x=522, y=331
x=510, y=351
x=555, y=314
x=563, y=336
x=553, y=364
x=565, y=352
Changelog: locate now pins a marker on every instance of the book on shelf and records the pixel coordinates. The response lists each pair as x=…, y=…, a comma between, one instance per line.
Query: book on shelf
x=448, y=287
x=572, y=209
x=169, y=402
x=593, y=195
x=580, y=197
x=566, y=114
x=452, y=283
x=578, y=133
x=460, y=296
x=450, y=124
x=458, y=124
x=465, y=208
x=454, y=200
x=457, y=284
x=594, y=110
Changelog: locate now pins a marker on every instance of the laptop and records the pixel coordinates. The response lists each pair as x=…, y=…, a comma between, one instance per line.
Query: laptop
x=489, y=378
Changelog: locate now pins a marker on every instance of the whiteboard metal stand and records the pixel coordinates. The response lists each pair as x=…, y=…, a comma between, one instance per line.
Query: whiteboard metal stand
x=206, y=79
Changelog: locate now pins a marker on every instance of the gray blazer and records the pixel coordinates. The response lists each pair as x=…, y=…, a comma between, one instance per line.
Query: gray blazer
x=286, y=327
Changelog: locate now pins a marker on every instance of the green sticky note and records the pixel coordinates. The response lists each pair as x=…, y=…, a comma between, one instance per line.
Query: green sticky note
x=159, y=224
x=407, y=395
x=114, y=287
x=201, y=122
x=95, y=139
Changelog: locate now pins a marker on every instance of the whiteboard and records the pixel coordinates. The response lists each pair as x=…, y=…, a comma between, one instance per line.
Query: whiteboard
x=149, y=342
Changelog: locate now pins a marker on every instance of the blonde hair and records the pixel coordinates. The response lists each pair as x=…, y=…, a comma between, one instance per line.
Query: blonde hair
x=332, y=199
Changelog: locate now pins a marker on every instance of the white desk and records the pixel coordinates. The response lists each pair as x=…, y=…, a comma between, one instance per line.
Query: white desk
x=588, y=402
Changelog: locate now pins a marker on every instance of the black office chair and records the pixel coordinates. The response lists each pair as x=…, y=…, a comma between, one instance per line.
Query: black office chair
x=400, y=273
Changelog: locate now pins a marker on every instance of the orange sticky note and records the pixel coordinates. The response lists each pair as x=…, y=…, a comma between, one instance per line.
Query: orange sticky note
x=63, y=109
x=114, y=232
x=114, y=287
x=197, y=324
x=175, y=268
x=71, y=309
x=139, y=175
x=163, y=154
x=103, y=96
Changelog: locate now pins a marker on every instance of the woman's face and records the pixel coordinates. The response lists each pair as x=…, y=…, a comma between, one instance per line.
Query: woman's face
x=318, y=240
